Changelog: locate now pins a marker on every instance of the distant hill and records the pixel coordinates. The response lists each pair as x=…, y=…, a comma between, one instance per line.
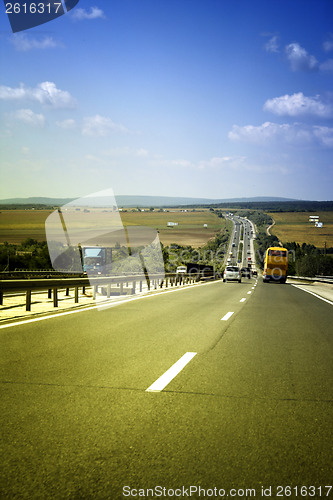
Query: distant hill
x=140, y=201
x=36, y=201
x=163, y=201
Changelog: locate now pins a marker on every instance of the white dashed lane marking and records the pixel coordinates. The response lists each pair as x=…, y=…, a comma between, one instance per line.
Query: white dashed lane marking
x=227, y=316
x=166, y=378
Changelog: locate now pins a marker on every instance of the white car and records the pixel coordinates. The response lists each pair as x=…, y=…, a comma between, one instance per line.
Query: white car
x=232, y=273
x=181, y=270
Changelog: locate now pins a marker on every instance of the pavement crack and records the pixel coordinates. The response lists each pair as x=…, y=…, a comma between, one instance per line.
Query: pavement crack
x=248, y=397
x=80, y=386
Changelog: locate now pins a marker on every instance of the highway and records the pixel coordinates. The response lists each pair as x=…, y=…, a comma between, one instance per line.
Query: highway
x=242, y=232
x=251, y=409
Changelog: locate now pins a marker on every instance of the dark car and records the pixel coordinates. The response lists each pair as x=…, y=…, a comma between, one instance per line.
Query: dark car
x=246, y=272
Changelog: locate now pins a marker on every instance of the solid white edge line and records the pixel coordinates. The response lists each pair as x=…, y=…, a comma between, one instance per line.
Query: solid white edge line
x=170, y=374
x=101, y=306
x=312, y=293
x=227, y=316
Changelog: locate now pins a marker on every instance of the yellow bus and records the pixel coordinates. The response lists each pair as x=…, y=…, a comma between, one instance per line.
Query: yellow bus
x=275, y=265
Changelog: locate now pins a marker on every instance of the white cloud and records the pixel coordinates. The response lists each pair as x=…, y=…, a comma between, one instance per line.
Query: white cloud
x=328, y=44
x=299, y=58
x=214, y=163
x=95, y=159
x=142, y=152
x=68, y=124
x=294, y=134
x=324, y=135
x=298, y=104
x=327, y=66
x=258, y=134
x=101, y=126
x=45, y=93
x=23, y=43
x=95, y=13
x=117, y=152
x=220, y=162
x=272, y=45
x=29, y=117
x=181, y=163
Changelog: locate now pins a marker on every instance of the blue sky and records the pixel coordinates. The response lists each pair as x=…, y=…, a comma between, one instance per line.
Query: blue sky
x=198, y=98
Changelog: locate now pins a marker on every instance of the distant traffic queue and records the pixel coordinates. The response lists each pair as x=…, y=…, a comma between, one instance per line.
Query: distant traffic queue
x=196, y=270
x=275, y=265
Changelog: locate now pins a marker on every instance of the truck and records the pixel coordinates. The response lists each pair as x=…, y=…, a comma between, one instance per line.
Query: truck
x=275, y=265
x=95, y=259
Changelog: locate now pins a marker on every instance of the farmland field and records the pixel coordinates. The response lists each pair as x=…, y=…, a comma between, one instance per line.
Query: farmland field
x=295, y=226
x=18, y=225
x=190, y=229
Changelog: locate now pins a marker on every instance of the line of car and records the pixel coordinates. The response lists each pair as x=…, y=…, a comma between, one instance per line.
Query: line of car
x=233, y=273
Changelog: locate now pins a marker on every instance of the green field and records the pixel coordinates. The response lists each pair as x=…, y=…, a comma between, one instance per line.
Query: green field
x=190, y=229
x=295, y=226
x=17, y=225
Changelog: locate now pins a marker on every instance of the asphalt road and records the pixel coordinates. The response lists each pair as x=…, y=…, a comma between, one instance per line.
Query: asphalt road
x=252, y=409
x=246, y=244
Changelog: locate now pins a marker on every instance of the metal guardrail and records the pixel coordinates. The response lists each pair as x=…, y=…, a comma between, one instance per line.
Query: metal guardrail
x=320, y=279
x=53, y=285
x=41, y=273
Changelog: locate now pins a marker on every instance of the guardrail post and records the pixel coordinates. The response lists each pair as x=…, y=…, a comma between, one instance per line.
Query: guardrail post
x=1, y=298
x=108, y=290
x=121, y=288
x=67, y=292
x=49, y=293
x=55, y=297
x=133, y=287
x=83, y=290
x=76, y=295
x=140, y=285
x=28, y=300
